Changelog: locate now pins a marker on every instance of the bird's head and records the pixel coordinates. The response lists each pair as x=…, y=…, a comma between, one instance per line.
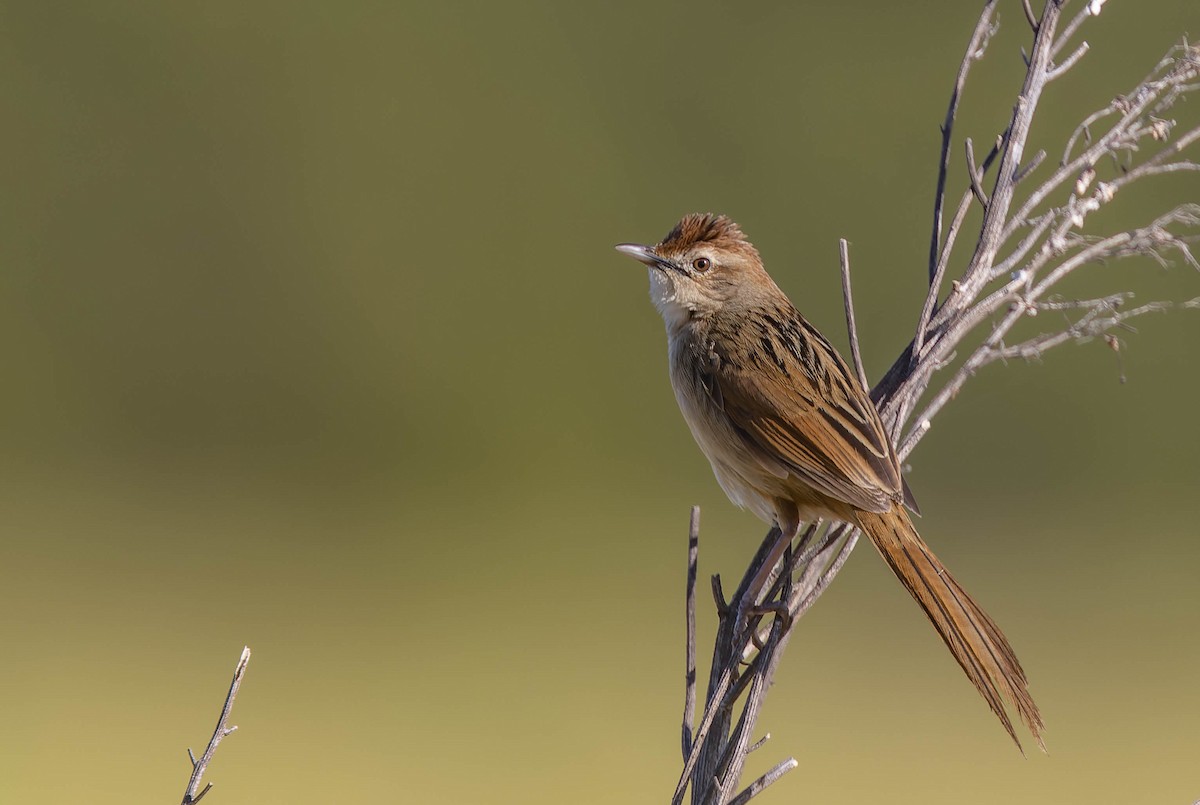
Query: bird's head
x=703, y=266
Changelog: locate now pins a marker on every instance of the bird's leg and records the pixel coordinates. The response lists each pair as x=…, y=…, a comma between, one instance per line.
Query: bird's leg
x=788, y=523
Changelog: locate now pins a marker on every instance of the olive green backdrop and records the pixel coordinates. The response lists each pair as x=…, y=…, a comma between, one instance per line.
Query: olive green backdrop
x=313, y=339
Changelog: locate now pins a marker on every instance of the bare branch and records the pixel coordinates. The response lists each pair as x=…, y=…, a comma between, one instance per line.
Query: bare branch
x=1084, y=130
x=848, y=298
x=1032, y=237
x=984, y=29
x=974, y=175
x=1036, y=231
x=1029, y=168
x=689, y=693
x=1085, y=329
x=759, y=744
x=190, y=797
x=939, y=273
x=1018, y=131
x=710, y=714
x=1148, y=240
x=935, y=287
x=1029, y=15
x=1058, y=71
x=1073, y=25
x=760, y=785
x=1179, y=67
x=819, y=581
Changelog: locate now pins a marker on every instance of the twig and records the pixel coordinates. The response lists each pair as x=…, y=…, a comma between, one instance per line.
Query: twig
x=710, y=713
x=974, y=176
x=1024, y=170
x=190, y=797
x=1069, y=63
x=760, y=785
x=959, y=313
x=995, y=215
x=1090, y=326
x=1029, y=15
x=1131, y=107
x=1084, y=130
x=1073, y=25
x=975, y=49
x=1036, y=231
x=935, y=287
x=689, y=694
x=1139, y=241
x=822, y=580
x=939, y=273
x=848, y=298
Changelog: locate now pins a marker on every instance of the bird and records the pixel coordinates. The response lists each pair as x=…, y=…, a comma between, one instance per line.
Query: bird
x=793, y=436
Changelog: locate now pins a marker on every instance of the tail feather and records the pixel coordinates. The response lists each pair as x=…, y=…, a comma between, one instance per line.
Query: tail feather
x=972, y=637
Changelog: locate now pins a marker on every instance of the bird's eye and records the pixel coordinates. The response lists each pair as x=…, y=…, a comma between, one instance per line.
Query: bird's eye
x=702, y=264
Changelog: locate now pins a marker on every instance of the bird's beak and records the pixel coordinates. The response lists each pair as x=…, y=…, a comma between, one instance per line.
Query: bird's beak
x=645, y=254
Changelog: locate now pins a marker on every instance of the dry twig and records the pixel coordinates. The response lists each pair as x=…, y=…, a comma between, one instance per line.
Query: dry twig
x=198, y=766
x=855, y=354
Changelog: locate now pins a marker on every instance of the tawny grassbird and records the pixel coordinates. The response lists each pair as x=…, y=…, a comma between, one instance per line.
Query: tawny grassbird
x=792, y=435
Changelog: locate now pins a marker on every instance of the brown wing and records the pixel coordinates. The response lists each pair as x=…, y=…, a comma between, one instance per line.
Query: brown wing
x=796, y=404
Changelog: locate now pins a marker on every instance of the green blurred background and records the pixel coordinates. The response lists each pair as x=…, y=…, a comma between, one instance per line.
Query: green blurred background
x=315, y=341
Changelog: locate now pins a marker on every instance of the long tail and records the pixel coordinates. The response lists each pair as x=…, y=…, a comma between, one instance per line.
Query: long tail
x=972, y=637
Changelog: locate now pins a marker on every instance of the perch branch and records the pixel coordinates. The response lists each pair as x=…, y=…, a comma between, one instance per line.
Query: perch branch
x=1032, y=237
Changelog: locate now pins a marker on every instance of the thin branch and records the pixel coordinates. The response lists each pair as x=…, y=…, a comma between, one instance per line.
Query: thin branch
x=190, y=797
x=953, y=320
x=939, y=273
x=1131, y=107
x=1109, y=302
x=848, y=298
x=734, y=756
x=1029, y=15
x=1073, y=25
x=1087, y=328
x=1140, y=241
x=1084, y=130
x=759, y=744
x=1024, y=170
x=1058, y=71
x=996, y=213
x=760, y=785
x=1036, y=231
x=984, y=29
x=974, y=176
x=710, y=713
x=822, y=580
x=689, y=693
x=935, y=287
x=1157, y=164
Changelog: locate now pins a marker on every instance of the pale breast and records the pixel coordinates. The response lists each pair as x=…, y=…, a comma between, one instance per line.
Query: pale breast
x=744, y=479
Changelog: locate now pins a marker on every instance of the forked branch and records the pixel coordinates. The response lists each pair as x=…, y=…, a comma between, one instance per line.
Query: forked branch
x=1033, y=236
